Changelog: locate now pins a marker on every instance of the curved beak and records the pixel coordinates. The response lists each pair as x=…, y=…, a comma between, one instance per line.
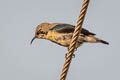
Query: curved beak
x=33, y=39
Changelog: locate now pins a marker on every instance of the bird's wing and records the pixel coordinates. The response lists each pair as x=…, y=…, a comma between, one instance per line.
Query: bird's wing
x=86, y=32
x=67, y=28
x=63, y=28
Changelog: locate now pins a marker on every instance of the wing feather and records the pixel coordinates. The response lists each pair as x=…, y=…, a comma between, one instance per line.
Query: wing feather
x=67, y=28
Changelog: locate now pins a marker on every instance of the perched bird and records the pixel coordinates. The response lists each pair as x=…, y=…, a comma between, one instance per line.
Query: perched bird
x=62, y=34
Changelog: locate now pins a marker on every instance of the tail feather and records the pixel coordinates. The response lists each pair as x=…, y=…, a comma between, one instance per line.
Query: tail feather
x=104, y=42
x=93, y=39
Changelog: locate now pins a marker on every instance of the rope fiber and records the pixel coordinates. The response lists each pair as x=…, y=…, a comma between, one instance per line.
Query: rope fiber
x=74, y=40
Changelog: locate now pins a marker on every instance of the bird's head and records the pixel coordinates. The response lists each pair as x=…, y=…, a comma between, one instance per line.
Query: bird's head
x=41, y=31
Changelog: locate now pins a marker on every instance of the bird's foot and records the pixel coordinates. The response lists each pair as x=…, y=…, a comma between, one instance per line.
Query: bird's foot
x=75, y=49
x=73, y=56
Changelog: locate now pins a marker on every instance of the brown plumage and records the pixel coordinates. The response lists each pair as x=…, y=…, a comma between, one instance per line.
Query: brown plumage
x=62, y=34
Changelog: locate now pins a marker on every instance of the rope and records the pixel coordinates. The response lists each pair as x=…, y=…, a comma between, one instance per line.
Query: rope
x=74, y=40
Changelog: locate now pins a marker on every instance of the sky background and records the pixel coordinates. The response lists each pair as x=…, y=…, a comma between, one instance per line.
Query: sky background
x=43, y=60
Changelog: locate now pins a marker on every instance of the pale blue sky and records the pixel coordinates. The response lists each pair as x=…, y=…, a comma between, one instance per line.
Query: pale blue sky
x=43, y=60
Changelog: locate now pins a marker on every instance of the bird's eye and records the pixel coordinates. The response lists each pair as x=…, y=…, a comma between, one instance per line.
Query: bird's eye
x=41, y=32
x=38, y=33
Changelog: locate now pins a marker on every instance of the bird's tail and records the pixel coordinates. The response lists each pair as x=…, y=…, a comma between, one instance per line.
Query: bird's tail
x=93, y=39
x=104, y=42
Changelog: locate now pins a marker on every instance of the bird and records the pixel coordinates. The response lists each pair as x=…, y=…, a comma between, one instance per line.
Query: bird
x=61, y=34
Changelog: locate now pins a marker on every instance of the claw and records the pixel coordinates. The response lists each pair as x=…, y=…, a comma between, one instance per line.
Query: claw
x=73, y=56
x=66, y=55
x=75, y=49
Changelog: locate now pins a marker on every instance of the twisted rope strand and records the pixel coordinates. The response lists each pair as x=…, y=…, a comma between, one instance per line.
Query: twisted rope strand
x=74, y=40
